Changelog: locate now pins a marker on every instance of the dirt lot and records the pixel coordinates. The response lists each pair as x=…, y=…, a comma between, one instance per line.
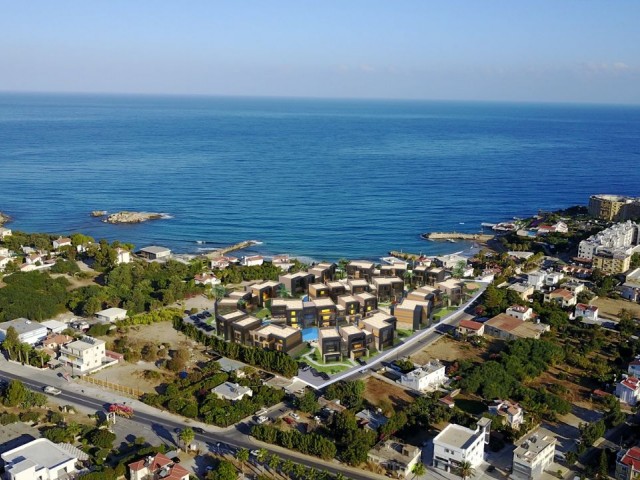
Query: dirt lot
x=378, y=391
x=133, y=375
x=448, y=350
x=609, y=308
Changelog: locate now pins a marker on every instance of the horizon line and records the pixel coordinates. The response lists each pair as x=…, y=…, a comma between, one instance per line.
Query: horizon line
x=310, y=97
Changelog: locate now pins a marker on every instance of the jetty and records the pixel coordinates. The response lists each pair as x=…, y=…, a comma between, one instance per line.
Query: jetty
x=405, y=255
x=478, y=237
x=231, y=248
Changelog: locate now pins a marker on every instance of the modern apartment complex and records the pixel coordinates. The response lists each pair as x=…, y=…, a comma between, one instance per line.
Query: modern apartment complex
x=456, y=444
x=84, y=355
x=532, y=455
x=614, y=207
x=610, y=250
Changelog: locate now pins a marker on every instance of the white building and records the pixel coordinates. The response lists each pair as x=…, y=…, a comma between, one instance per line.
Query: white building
x=536, y=279
x=252, y=261
x=54, y=326
x=456, y=444
x=4, y=262
x=553, y=278
x=111, y=315
x=83, y=355
x=520, y=312
x=588, y=312
x=123, y=256
x=510, y=411
x=232, y=391
x=395, y=456
x=207, y=279
x=155, y=253
x=533, y=455
x=628, y=390
x=28, y=331
x=428, y=377
x=61, y=242
x=39, y=459
x=620, y=235
x=4, y=233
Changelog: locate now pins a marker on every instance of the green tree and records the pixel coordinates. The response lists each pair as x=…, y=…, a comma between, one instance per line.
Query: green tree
x=603, y=465
x=16, y=394
x=219, y=292
x=273, y=462
x=262, y=455
x=465, y=470
x=11, y=342
x=186, y=437
x=243, y=457
x=102, y=438
x=308, y=402
x=418, y=470
x=224, y=471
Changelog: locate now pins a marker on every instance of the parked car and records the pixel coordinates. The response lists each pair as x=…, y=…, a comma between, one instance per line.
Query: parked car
x=324, y=376
x=198, y=430
x=289, y=420
x=206, y=314
x=52, y=390
x=295, y=415
x=361, y=361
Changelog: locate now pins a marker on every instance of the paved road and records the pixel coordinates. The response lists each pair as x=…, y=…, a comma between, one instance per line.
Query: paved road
x=235, y=437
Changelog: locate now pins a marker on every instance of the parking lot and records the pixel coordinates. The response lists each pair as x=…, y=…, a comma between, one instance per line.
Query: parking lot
x=204, y=321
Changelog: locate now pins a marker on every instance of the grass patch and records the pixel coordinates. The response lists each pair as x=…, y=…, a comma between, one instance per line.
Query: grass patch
x=442, y=312
x=303, y=351
x=262, y=314
x=404, y=333
x=474, y=407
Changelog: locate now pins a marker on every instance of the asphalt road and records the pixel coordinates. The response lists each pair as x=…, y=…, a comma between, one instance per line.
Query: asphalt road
x=236, y=437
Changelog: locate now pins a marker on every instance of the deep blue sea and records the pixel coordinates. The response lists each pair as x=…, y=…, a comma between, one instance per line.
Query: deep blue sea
x=313, y=178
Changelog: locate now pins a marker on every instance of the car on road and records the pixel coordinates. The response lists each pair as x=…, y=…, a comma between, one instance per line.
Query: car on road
x=175, y=459
x=261, y=419
x=255, y=453
x=491, y=468
x=198, y=430
x=177, y=430
x=52, y=390
x=361, y=361
x=193, y=317
x=324, y=376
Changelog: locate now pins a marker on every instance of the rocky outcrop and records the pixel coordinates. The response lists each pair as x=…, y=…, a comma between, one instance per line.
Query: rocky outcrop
x=4, y=218
x=134, y=217
x=98, y=213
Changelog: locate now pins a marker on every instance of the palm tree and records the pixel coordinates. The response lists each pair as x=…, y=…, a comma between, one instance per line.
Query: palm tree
x=418, y=470
x=465, y=470
x=219, y=292
x=283, y=292
x=299, y=470
x=186, y=436
x=408, y=276
x=262, y=455
x=273, y=462
x=243, y=457
x=445, y=300
x=26, y=350
x=287, y=467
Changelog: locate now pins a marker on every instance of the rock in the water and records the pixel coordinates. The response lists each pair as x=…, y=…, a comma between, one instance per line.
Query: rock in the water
x=133, y=217
x=4, y=218
x=98, y=213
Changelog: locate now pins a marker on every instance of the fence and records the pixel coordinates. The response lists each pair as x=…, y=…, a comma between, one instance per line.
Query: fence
x=134, y=392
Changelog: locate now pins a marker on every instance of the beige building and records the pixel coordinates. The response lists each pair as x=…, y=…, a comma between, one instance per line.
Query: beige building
x=612, y=261
x=83, y=355
x=607, y=207
x=396, y=457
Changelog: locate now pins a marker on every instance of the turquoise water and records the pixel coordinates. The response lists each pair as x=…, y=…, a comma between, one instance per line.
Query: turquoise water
x=310, y=334
x=314, y=178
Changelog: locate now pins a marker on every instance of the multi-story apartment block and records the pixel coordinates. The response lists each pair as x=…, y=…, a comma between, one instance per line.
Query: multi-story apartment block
x=619, y=236
x=336, y=289
x=323, y=272
x=360, y=269
x=318, y=290
x=83, y=355
x=628, y=464
x=265, y=291
x=613, y=260
x=224, y=323
x=326, y=312
x=297, y=283
x=354, y=341
x=242, y=328
x=368, y=302
x=358, y=286
x=456, y=444
x=292, y=310
x=383, y=328
x=350, y=304
x=330, y=344
x=388, y=288
x=609, y=207
x=428, y=377
x=277, y=337
x=532, y=455
x=413, y=314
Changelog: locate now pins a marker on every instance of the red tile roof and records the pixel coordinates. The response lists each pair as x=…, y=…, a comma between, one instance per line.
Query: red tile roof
x=157, y=463
x=470, y=324
x=632, y=458
x=561, y=292
x=632, y=382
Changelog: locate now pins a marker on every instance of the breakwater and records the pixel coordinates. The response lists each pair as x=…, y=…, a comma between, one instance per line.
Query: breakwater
x=231, y=248
x=480, y=237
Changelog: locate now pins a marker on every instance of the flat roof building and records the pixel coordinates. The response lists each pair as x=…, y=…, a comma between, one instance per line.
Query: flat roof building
x=232, y=391
x=28, y=331
x=38, y=459
x=456, y=444
x=111, y=315
x=155, y=253
x=532, y=455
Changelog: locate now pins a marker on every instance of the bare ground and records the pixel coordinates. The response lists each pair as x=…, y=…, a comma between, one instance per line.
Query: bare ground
x=379, y=392
x=609, y=307
x=448, y=350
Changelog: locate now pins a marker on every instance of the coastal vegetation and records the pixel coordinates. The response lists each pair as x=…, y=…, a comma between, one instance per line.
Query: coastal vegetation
x=32, y=295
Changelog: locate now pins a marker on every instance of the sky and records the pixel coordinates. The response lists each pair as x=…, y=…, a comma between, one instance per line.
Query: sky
x=504, y=50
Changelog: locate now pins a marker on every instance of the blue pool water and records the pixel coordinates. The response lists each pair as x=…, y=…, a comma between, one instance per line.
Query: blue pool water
x=310, y=334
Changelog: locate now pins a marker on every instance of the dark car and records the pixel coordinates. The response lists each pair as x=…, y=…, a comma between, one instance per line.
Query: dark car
x=491, y=468
x=206, y=314
x=175, y=459
x=361, y=361
x=198, y=430
x=314, y=372
x=193, y=317
x=177, y=430
x=324, y=376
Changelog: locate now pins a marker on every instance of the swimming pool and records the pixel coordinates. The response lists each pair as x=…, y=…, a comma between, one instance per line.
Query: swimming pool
x=310, y=334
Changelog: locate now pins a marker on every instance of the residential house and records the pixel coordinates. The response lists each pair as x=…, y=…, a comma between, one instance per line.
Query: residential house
x=330, y=344
x=293, y=311
x=4, y=233
x=628, y=390
x=61, y=242
x=354, y=341
x=532, y=455
x=552, y=279
x=84, y=355
x=277, y=337
x=360, y=269
x=40, y=459
x=453, y=289
x=54, y=326
x=219, y=263
x=111, y=315
x=224, y=323
x=55, y=341
x=155, y=253
x=428, y=377
x=350, y=304
x=574, y=286
x=588, y=312
x=252, y=261
x=434, y=275
x=413, y=314
x=34, y=259
x=323, y=272
x=562, y=297
x=536, y=279
x=28, y=331
x=388, y=288
x=510, y=411
x=456, y=444
x=336, y=289
x=469, y=328
x=283, y=262
x=297, y=283
x=508, y=328
x=231, y=391
x=634, y=368
x=420, y=275
x=396, y=457
x=522, y=289
x=628, y=464
x=383, y=328
x=265, y=291
x=370, y=420
x=520, y=312
x=4, y=262
x=158, y=466
x=122, y=256
x=242, y=329
x=206, y=279
x=630, y=289
x=425, y=293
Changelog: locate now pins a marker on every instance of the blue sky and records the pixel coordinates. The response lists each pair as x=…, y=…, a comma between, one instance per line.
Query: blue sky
x=543, y=50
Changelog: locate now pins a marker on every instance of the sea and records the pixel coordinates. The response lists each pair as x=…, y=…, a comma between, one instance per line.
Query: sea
x=317, y=179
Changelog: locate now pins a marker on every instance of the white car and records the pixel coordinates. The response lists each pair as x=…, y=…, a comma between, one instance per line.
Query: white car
x=295, y=416
x=261, y=419
x=52, y=390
